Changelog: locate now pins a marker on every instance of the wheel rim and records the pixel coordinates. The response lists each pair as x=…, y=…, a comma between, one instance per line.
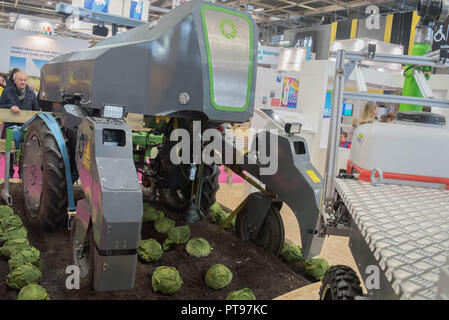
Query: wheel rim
x=33, y=174
x=271, y=234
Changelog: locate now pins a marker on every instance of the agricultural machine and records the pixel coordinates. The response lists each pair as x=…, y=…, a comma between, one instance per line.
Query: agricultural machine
x=196, y=63
x=393, y=199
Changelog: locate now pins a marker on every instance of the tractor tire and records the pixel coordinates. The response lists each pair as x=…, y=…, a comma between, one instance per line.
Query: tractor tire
x=340, y=283
x=179, y=200
x=271, y=235
x=44, y=182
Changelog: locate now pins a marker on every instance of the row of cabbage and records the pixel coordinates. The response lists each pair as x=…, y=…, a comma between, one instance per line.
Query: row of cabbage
x=24, y=260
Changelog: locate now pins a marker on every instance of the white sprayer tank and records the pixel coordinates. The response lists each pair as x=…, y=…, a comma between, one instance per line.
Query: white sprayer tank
x=404, y=147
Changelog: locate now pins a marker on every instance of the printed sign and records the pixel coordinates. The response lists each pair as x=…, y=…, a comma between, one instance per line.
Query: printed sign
x=290, y=90
x=441, y=36
x=268, y=55
x=97, y=5
x=275, y=102
x=135, y=11
x=328, y=105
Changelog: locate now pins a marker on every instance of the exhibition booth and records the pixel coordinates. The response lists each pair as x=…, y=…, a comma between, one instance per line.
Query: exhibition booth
x=194, y=117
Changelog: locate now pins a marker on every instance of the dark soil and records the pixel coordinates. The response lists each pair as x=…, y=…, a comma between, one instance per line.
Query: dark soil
x=252, y=266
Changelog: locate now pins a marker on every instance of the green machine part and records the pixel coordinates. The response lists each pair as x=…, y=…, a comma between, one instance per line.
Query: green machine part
x=411, y=88
x=145, y=140
x=9, y=140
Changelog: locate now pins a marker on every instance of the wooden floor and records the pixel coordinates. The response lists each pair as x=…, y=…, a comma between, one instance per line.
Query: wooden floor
x=335, y=249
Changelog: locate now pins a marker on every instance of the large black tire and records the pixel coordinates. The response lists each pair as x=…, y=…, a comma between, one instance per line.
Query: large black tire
x=271, y=235
x=179, y=200
x=340, y=283
x=44, y=181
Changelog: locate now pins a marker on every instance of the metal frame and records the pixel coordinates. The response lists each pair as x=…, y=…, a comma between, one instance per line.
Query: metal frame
x=346, y=63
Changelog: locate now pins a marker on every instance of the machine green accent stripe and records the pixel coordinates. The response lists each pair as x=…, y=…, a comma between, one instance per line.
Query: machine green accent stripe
x=9, y=138
x=209, y=60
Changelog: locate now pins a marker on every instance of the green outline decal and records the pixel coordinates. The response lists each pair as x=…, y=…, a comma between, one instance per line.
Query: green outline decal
x=228, y=35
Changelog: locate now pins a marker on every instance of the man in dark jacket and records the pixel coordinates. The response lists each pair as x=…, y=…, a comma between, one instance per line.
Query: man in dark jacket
x=17, y=97
x=20, y=96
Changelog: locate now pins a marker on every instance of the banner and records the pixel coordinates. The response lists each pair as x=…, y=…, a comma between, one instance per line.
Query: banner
x=328, y=105
x=268, y=55
x=135, y=11
x=30, y=51
x=290, y=91
x=97, y=5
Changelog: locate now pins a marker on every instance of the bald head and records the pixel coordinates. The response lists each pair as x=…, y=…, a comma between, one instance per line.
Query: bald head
x=20, y=79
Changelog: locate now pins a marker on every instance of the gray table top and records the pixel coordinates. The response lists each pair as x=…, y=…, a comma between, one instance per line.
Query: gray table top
x=407, y=230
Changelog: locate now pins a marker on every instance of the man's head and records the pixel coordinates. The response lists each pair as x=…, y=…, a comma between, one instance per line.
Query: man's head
x=2, y=80
x=21, y=80
x=343, y=136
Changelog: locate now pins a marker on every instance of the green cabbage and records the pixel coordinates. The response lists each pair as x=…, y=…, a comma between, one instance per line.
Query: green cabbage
x=316, y=268
x=218, y=276
x=243, y=294
x=27, y=255
x=166, y=280
x=179, y=235
x=33, y=291
x=149, y=250
x=291, y=253
x=23, y=275
x=13, y=245
x=13, y=233
x=198, y=247
x=167, y=244
x=149, y=213
x=163, y=225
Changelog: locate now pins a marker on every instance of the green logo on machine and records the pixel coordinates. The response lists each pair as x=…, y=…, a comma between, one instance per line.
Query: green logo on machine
x=228, y=29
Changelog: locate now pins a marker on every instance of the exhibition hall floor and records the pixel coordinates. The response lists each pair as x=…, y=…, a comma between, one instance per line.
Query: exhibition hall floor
x=335, y=249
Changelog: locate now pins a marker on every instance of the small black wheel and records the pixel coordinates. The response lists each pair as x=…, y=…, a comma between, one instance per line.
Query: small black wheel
x=271, y=235
x=84, y=260
x=340, y=283
x=179, y=200
x=44, y=182
x=176, y=200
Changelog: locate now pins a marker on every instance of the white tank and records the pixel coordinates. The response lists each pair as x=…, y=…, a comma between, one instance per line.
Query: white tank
x=406, y=148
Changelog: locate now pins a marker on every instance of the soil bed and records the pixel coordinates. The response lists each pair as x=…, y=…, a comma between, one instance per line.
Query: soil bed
x=252, y=266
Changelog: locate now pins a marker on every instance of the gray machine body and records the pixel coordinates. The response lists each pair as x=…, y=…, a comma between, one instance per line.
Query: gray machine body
x=296, y=182
x=113, y=204
x=199, y=60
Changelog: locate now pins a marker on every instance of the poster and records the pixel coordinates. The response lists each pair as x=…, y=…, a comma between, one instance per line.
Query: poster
x=275, y=102
x=290, y=91
x=29, y=51
x=97, y=5
x=328, y=105
x=135, y=11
